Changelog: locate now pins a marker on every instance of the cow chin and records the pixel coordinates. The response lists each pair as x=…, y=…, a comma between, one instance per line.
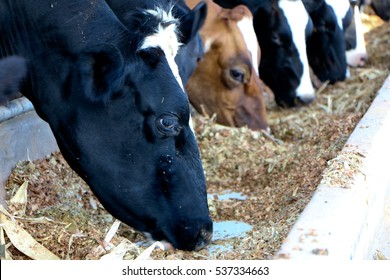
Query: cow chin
x=166, y=245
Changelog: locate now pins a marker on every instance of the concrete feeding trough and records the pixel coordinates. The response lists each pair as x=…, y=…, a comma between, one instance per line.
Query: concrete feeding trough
x=23, y=136
x=348, y=216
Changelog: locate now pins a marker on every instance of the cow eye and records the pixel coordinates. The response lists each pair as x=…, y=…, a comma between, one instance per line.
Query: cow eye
x=151, y=56
x=168, y=125
x=237, y=75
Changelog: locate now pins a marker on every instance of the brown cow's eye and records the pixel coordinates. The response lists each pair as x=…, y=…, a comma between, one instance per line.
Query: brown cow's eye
x=237, y=75
x=168, y=125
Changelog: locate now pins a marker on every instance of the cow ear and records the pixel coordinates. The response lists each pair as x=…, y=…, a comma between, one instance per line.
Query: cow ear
x=192, y=22
x=101, y=72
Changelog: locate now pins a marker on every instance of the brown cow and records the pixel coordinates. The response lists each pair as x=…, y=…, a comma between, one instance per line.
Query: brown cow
x=226, y=80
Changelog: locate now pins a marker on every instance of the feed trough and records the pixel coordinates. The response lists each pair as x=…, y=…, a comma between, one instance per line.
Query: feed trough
x=24, y=136
x=348, y=216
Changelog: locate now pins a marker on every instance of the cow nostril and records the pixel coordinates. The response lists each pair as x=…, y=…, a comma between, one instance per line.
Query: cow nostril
x=203, y=239
x=363, y=60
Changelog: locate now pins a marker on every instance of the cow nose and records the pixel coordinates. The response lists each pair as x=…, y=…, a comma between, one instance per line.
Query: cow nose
x=356, y=59
x=203, y=239
x=304, y=99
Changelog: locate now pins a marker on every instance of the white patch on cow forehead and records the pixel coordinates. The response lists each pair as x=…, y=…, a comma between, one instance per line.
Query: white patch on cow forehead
x=340, y=8
x=246, y=27
x=165, y=38
x=298, y=19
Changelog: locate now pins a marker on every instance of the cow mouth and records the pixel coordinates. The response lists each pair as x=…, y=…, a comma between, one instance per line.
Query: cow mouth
x=201, y=240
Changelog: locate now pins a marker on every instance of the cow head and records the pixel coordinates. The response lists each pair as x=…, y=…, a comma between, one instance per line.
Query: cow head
x=280, y=67
x=301, y=26
x=121, y=120
x=326, y=46
x=226, y=81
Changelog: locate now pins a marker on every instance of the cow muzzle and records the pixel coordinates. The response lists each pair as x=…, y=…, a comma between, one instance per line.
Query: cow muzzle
x=203, y=239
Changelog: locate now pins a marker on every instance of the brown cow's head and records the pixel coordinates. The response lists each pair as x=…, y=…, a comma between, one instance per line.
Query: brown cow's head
x=226, y=81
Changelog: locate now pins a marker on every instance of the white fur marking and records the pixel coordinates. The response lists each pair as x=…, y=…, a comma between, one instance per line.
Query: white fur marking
x=340, y=8
x=246, y=27
x=166, y=39
x=298, y=18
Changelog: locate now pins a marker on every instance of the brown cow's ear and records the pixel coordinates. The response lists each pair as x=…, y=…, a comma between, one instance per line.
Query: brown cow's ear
x=101, y=72
x=240, y=11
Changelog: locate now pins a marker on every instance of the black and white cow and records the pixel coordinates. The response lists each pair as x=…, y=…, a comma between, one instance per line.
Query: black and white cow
x=281, y=28
x=115, y=102
x=301, y=27
x=12, y=72
x=355, y=44
x=326, y=46
x=337, y=40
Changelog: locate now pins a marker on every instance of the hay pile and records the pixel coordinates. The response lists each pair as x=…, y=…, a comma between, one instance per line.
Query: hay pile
x=277, y=173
